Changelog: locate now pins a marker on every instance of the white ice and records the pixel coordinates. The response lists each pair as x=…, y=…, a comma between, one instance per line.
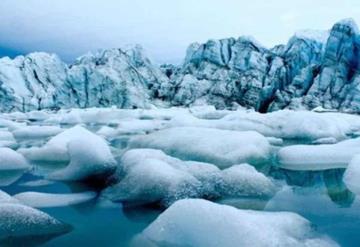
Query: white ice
x=351, y=176
x=200, y=223
x=223, y=148
x=45, y=200
x=318, y=157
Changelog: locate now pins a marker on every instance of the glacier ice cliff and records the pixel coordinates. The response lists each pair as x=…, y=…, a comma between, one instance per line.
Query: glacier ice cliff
x=313, y=69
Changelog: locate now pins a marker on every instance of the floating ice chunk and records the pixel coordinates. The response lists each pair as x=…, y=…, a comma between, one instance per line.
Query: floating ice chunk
x=275, y=141
x=20, y=223
x=37, y=183
x=245, y=180
x=11, y=125
x=284, y=124
x=44, y=200
x=150, y=176
x=7, y=139
x=90, y=158
x=12, y=160
x=200, y=223
x=351, y=176
x=318, y=157
x=31, y=132
x=6, y=198
x=133, y=126
x=89, y=154
x=325, y=140
x=220, y=147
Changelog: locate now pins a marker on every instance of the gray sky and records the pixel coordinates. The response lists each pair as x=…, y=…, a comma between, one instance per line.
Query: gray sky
x=163, y=27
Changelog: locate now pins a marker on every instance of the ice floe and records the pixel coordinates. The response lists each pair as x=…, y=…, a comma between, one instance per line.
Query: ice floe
x=197, y=222
x=318, y=157
x=29, y=132
x=88, y=155
x=150, y=176
x=223, y=148
x=44, y=200
x=20, y=222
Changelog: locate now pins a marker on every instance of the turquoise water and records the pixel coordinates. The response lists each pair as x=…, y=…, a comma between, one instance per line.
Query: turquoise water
x=321, y=197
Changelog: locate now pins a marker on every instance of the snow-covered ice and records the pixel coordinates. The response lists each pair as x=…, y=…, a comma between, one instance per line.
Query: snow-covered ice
x=244, y=180
x=197, y=222
x=318, y=157
x=88, y=154
x=150, y=176
x=19, y=221
x=223, y=148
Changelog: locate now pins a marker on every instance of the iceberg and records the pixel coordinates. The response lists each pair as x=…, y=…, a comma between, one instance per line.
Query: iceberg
x=200, y=223
x=223, y=148
x=318, y=157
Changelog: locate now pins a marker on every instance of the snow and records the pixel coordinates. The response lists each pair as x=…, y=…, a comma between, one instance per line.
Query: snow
x=197, y=222
x=318, y=157
x=150, y=176
x=18, y=221
x=12, y=160
x=44, y=200
x=351, y=176
x=220, y=147
x=244, y=180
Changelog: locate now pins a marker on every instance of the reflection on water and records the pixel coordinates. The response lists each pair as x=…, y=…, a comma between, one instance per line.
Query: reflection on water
x=330, y=180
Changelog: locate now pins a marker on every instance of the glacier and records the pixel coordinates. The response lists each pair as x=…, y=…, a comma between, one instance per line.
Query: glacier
x=314, y=69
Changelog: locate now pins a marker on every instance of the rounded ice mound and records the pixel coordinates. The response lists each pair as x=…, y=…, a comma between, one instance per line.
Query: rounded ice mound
x=200, y=223
x=318, y=157
x=56, y=149
x=6, y=198
x=44, y=200
x=223, y=148
x=150, y=176
x=90, y=157
x=351, y=176
x=20, y=223
x=244, y=180
x=7, y=139
x=12, y=160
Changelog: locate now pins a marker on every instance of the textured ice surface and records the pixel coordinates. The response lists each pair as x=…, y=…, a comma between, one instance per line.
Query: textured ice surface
x=200, y=223
x=19, y=221
x=150, y=176
x=318, y=157
x=220, y=147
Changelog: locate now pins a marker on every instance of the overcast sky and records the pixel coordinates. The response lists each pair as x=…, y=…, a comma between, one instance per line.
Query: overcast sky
x=163, y=27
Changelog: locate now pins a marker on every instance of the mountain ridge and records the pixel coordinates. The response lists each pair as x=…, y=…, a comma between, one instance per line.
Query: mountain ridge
x=305, y=73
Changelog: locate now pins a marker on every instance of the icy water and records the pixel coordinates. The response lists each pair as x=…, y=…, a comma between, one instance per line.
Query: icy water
x=321, y=197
